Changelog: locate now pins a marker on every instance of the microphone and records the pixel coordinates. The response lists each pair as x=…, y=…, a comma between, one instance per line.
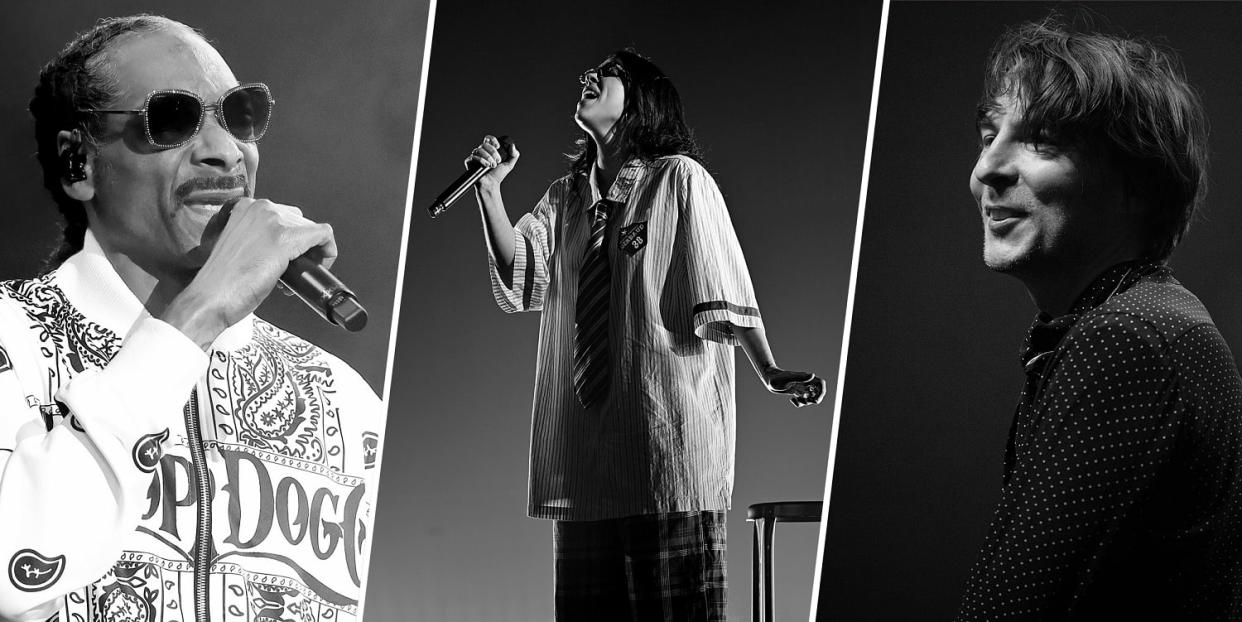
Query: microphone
x=324, y=293
x=312, y=282
x=474, y=171
x=459, y=187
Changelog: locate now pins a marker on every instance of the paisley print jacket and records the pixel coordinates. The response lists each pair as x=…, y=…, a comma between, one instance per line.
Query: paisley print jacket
x=143, y=480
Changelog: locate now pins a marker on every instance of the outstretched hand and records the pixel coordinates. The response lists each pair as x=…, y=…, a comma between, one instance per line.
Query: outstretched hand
x=803, y=387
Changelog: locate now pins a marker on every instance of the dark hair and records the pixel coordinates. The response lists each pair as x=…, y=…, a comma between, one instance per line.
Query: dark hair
x=1117, y=97
x=79, y=78
x=653, y=123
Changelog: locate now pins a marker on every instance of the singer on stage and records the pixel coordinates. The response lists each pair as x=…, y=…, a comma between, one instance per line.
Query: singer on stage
x=164, y=454
x=1120, y=497
x=634, y=262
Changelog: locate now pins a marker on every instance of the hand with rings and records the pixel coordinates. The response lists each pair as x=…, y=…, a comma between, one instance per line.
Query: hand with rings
x=804, y=388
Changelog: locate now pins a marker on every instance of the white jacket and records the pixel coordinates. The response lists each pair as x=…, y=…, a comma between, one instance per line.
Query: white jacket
x=102, y=457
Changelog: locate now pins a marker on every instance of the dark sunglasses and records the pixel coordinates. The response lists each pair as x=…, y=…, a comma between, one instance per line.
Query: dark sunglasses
x=610, y=69
x=172, y=117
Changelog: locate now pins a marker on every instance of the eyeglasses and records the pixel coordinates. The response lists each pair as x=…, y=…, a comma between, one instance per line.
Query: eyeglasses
x=172, y=117
x=610, y=69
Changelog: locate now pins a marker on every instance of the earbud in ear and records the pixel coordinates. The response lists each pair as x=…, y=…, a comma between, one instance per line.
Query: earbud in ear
x=74, y=164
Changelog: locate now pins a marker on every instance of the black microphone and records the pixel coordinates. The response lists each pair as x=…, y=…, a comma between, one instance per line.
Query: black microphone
x=459, y=187
x=324, y=293
x=474, y=171
x=312, y=282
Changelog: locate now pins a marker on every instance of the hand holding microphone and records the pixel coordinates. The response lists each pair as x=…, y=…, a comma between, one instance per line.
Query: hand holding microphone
x=487, y=166
x=498, y=154
x=249, y=245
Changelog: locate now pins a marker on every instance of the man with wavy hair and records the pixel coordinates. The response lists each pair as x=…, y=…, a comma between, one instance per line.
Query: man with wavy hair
x=1120, y=492
x=164, y=454
x=635, y=265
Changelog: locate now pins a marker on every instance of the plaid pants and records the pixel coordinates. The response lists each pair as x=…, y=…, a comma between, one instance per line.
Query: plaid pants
x=666, y=567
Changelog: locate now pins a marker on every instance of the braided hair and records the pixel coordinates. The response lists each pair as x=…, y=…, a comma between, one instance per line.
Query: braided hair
x=79, y=78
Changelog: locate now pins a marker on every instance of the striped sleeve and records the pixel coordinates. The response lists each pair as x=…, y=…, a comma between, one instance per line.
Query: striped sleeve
x=533, y=245
x=720, y=287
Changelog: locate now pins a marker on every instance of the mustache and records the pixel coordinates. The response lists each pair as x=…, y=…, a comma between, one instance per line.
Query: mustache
x=215, y=182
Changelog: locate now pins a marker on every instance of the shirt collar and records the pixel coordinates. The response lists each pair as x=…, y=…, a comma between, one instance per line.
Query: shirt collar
x=627, y=178
x=1047, y=331
x=1112, y=281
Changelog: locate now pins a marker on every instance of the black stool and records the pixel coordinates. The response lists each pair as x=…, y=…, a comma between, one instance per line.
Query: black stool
x=765, y=516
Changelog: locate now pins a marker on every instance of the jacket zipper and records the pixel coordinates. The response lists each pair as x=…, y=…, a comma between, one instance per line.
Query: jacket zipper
x=202, y=528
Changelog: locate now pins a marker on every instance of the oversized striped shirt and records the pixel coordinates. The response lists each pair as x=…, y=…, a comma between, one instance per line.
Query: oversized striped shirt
x=662, y=439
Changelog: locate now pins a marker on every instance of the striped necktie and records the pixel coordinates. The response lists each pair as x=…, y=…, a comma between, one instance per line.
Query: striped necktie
x=591, y=316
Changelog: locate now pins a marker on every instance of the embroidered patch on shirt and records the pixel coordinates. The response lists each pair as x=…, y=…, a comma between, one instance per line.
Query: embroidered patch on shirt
x=633, y=238
x=370, y=448
x=148, y=450
x=31, y=571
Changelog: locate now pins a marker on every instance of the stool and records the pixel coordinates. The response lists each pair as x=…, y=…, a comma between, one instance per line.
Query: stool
x=765, y=516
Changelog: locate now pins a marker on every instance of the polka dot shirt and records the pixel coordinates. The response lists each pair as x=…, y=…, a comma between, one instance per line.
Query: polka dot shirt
x=1121, y=493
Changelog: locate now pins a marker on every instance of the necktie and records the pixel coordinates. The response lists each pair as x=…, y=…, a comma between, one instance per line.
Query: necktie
x=591, y=316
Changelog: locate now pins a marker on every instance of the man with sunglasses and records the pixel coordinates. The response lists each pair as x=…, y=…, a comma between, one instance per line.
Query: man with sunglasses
x=1120, y=491
x=634, y=263
x=164, y=454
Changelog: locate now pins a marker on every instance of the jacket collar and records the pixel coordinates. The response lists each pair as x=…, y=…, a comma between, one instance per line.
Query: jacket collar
x=95, y=289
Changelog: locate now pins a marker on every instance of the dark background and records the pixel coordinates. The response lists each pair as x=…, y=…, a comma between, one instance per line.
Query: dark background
x=780, y=98
x=932, y=372
x=345, y=78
